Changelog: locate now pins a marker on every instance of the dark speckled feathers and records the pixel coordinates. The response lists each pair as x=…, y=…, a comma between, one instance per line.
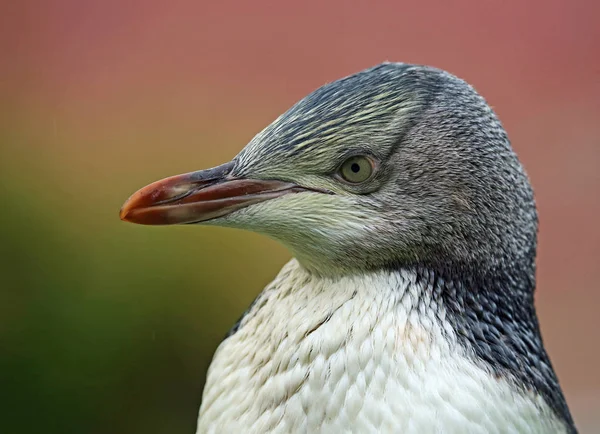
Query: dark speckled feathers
x=493, y=315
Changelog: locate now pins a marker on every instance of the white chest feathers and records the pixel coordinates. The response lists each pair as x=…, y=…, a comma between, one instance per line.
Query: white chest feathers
x=368, y=354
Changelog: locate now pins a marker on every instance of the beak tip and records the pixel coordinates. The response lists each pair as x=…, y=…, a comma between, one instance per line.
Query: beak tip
x=127, y=211
x=124, y=213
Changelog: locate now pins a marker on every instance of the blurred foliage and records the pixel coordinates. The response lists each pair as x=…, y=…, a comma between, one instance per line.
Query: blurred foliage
x=107, y=326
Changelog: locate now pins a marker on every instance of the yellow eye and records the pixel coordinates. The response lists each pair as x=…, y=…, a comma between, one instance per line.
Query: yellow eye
x=356, y=169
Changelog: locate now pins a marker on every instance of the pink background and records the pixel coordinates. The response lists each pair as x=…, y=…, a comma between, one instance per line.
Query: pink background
x=98, y=98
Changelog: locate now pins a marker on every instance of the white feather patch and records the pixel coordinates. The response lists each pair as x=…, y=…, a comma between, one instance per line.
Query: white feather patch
x=359, y=354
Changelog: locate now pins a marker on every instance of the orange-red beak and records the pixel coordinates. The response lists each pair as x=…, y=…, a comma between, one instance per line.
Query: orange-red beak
x=199, y=196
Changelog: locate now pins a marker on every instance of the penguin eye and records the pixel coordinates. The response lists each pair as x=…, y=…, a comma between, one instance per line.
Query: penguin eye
x=356, y=169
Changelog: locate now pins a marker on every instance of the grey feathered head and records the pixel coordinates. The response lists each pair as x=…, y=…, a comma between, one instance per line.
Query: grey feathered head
x=395, y=164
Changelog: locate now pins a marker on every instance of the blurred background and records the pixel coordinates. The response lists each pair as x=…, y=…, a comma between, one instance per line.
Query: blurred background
x=108, y=327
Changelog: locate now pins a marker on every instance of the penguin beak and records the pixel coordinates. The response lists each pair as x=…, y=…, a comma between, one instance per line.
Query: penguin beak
x=200, y=196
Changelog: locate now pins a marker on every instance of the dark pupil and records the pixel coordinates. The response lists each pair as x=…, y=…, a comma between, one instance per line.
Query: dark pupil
x=355, y=167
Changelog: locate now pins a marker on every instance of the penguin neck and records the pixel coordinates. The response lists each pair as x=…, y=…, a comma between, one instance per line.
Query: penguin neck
x=389, y=334
x=492, y=313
